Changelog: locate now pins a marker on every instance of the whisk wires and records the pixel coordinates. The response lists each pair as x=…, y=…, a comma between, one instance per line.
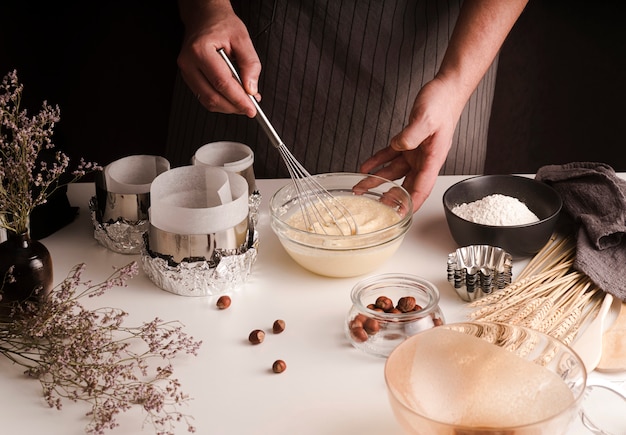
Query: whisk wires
x=322, y=212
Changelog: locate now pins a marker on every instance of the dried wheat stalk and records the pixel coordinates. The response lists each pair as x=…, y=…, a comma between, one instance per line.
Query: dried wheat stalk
x=548, y=295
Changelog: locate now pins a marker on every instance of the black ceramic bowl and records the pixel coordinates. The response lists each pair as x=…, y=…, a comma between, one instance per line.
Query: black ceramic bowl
x=519, y=240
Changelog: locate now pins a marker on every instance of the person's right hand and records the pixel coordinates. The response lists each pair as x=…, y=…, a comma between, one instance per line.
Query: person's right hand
x=417, y=153
x=209, y=27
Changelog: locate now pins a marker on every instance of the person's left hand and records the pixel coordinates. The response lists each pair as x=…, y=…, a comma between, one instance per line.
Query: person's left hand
x=419, y=151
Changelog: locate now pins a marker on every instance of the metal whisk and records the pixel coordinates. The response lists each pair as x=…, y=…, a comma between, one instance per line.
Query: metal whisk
x=321, y=211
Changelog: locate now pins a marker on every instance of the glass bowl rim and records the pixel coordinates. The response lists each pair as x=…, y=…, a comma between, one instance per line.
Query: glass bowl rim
x=402, y=225
x=430, y=289
x=577, y=399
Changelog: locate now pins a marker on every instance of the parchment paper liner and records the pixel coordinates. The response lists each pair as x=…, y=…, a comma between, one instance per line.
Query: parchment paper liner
x=231, y=156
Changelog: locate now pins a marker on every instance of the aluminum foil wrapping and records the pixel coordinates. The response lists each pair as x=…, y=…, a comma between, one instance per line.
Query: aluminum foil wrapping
x=478, y=270
x=120, y=236
x=223, y=273
x=254, y=201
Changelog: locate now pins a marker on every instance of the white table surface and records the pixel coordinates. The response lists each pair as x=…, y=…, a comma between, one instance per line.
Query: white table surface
x=329, y=387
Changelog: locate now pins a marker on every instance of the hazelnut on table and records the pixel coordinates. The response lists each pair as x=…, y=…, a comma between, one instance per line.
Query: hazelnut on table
x=278, y=326
x=257, y=336
x=223, y=302
x=279, y=366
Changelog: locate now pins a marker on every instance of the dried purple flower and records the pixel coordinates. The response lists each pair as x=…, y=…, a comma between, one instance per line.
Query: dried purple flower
x=90, y=355
x=26, y=180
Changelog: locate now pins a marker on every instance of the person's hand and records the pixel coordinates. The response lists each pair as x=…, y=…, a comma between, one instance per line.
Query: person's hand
x=209, y=27
x=419, y=151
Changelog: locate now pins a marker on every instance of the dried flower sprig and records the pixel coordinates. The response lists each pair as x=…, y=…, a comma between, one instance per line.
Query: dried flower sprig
x=89, y=355
x=26, y=179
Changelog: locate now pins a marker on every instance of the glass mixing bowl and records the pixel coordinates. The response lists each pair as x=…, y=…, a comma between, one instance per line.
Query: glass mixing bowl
x=337, y=255
x=484, y=379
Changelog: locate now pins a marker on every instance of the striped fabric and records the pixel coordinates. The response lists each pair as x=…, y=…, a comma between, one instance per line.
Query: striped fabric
x=339, y=79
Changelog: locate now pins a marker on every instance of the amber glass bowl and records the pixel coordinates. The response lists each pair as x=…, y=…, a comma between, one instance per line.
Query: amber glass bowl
x=484, y=379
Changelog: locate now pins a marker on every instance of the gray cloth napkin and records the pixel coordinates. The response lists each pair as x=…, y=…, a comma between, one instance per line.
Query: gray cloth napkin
x=594, y=197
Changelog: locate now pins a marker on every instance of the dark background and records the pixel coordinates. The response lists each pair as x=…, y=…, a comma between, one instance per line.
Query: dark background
x=561, y=88
x=110, y=66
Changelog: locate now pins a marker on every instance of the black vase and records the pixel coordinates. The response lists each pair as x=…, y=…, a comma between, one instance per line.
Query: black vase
x=25, y=271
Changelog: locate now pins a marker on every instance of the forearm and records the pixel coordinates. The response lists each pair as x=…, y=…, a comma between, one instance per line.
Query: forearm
x=194, y=13
x=479, y=33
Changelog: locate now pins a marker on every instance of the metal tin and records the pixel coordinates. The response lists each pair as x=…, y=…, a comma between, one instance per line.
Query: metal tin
x=477, y=270
x=128, y=196
x=189, y=247
x=119, y=210
x=129, y=206
x=201, y=238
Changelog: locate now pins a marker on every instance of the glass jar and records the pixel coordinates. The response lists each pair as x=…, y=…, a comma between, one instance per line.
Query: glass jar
x=388, y=308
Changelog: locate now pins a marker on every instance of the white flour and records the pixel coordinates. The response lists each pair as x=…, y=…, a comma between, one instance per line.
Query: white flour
x=496, y=210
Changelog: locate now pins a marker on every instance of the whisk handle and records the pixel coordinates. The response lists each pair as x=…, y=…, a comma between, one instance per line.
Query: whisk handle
x=260, y=115
x=266, y=126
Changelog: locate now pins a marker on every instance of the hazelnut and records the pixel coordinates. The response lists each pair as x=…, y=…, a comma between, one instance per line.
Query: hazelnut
x=278, y=326
x=406, y=304
x=358, y=320
x=384, y=303
x=358, y=334
x=371, y=326
x=279, y=366
x=437, y=321
x=256, y=337
x=223, y=302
